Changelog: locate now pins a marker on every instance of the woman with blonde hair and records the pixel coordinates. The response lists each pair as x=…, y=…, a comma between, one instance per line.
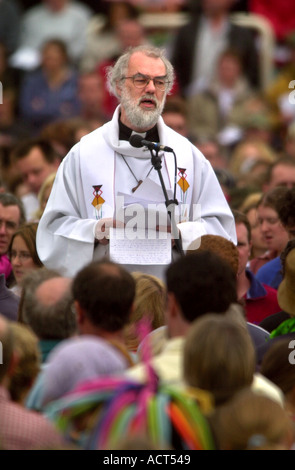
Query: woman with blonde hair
x=149, y=305
x=219, y=358
x=44, y=194
x=247, y=154
x=249, y=208
x=26, y=348
x=251, y=421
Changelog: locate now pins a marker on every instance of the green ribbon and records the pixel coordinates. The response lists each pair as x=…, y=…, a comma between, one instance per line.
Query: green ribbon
x=288, y=326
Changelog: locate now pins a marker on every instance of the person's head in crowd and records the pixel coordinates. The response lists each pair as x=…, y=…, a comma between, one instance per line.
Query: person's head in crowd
x=229, y=68
x=54, y=56
x=250, y=421
x=76, y=360
x=23, y=253
x=219, y=357
x=198, y=283
x=256, y=175
x=258, y=300
x=175, y=115
x=28, y=364
x=44, y=194
x=273, y=232
x=219, y=245
x=277, y=365
x=280, y=173
x=212, y=150
x=81, y=127
x=118, y=10
x=149, y=306
x=59, y=133
x=286, y=211
x=238, y=194
x=47, y=305
x=35, y=159
x=91, y=93
x=130, y=33
x=243, y=229
x=249, y=208
x=20, y=428
x=127, y=85
x=246, y=154
x=104, y=294
x=259, y=127
x=12, y=216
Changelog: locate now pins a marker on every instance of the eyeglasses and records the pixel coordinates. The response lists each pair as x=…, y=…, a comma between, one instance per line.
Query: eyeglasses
x=22, y=255
x=141, y=81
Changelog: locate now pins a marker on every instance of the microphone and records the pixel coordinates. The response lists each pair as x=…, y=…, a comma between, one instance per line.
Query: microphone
x=137, y=141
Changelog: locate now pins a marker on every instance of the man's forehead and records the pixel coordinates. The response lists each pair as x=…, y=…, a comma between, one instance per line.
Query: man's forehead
x=281, y=170
x=12, y=210
x=36, y=154
x=142, y=63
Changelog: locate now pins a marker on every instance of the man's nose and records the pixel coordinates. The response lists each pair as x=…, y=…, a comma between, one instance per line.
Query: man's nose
x=31, y=180
x=150, y=87
x=264, y=228
x=3, y=228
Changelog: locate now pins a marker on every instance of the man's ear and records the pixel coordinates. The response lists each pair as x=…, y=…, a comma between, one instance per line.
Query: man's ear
x=12, y=365
x=172, y=306
x=118, y=89
x=79, y=312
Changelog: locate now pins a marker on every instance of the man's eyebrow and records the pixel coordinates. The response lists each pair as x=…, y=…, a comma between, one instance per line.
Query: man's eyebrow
x=148, y=76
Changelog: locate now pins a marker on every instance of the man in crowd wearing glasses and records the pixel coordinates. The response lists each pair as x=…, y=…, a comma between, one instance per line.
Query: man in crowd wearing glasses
x=104, y=169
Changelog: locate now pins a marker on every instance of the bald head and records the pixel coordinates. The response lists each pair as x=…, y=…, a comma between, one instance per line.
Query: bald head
x=53, y=290
x=48, y=308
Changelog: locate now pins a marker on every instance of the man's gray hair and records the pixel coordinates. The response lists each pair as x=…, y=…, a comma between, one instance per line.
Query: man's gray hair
x=9, y=199
x=56, y=321
x=116, y=72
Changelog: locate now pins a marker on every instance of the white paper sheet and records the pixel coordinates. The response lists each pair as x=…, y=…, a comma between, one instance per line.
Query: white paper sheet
x=147, y=248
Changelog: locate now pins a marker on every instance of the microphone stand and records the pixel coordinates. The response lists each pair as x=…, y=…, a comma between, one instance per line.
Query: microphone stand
x=170, y=203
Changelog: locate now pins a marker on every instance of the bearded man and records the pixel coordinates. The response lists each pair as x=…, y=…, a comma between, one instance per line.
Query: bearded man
x=104, y=169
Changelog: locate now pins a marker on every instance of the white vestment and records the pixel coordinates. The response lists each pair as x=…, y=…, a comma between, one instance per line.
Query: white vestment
x=94, y=170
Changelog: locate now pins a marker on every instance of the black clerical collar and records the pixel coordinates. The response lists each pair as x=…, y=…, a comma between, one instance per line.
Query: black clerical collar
x=125, y=133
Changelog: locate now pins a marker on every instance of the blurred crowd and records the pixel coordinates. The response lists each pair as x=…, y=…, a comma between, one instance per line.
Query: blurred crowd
x=184, y=388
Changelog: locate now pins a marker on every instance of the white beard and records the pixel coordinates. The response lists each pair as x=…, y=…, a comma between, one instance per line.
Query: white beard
x=138, y=117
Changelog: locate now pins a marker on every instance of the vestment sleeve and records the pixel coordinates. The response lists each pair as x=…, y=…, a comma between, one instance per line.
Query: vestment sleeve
x=65, y=239
x=210, y=212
